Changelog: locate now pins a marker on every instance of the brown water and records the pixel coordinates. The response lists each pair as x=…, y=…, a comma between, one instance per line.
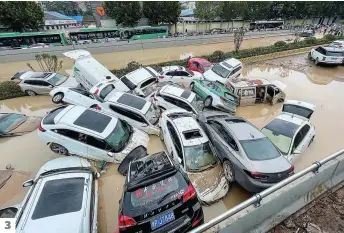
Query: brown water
x=27, y=154
x=118, y=60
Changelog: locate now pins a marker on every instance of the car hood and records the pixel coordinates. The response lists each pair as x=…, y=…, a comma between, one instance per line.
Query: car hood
x=211, y=76
x=27, y=126
x=211, y=185
x=138, y=138
x=275, y=165
x=70, y=82
x=197, y=75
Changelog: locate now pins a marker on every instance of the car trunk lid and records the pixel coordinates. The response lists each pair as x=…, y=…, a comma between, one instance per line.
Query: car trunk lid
x=299, y=108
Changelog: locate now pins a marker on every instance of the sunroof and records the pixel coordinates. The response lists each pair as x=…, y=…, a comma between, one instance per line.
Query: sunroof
x=132, y=101
x=186, y=94
x=40, y=75
x=60, y=196
x=93, y=120
x=227, y=65
x=192, y=134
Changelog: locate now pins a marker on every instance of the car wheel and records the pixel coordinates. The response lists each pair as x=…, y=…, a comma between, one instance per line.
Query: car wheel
x=192, y=86
x=30, y=93
x=309, y=56
x=58, y=149
x=228, y=170
x=208, y=101
x=316, y=61
x=57, y=99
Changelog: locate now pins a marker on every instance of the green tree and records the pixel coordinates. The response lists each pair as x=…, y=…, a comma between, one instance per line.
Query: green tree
x=231, y=10
x=125, y=13
x=21, y=15
x=207, y=10
x=64, y=7
x=256, y=10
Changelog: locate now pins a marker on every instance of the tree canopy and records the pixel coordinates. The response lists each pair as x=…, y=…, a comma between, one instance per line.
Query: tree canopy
x=126, y=13
x=161, y=12
x=207, y=10
x=21, y=15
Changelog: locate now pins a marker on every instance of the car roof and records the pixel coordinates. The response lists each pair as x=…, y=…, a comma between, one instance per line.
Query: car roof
x=36, y=75
x=338, y=41
x=291, y=118
x=301, y=104
x=249, y=82
x=87, y=120
x=333, y=49
x=130, y=100
x=187, y=124
x=230, y=63
x=177, y=92
x=244, y=130
x=141, y=74
x=168, y=68
x=200, y=60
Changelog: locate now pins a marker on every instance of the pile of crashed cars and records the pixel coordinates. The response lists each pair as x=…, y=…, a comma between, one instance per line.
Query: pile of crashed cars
x=108, y=119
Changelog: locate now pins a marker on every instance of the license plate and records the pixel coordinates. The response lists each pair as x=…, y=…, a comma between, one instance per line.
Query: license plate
x=333, y=58
x=162, y=220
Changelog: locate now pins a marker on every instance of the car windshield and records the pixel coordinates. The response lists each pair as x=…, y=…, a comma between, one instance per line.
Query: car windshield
x=220, y=70
x=198, y=105
x=335, y=54
x=10, y=121
x=199, y=157
x=128, y=83
x=153, y=114
x=57, y=80
x=281, y=141
x=106, y=90
x=119, y=137
x=259, y=149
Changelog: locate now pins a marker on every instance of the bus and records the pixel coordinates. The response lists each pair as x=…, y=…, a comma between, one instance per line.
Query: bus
x=17, y=40
x=265, y=24
x=145, y=32
x=88, y=35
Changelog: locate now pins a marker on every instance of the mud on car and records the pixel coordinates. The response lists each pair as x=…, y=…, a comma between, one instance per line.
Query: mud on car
x=158, y=197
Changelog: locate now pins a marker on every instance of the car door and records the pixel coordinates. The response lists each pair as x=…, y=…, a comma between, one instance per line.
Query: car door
x=73, y=141
x=202, y=89
x=43, y=87
x=300, y=143
x=168, y=76
x=183, y=76
x=80, y=97
x=98, y=149
x=247, y=96
x=148, y=83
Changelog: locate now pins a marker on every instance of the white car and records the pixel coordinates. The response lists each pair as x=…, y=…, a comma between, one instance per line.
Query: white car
x=178, y=74
x=172, y=96
x=63, y=197
x=224, y=71
x=140, y=79
x=338, y=44
x=327, y=55
x=189, y=146
x=291, y=131
x=76, y=130
x=137, y=111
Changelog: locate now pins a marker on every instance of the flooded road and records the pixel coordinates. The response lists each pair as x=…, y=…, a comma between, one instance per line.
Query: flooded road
x=321, y=86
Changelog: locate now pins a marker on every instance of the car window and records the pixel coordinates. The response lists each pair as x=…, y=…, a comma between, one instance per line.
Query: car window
x=58, y=79
x=128, y=83
x=259, y=149
x=30, y=82
x=335, y=54
x=169, y=99
x=98, y=143
x=248, y=92
x=168, y=73
x=42, y=83
x=183, y=73
x=176, y=141
x=224, y=135
x=305, y=130
x=148, y=82
x=72, y=134
x=297, y=140
x=183, y=105
x=128, y=113
x=106, y=90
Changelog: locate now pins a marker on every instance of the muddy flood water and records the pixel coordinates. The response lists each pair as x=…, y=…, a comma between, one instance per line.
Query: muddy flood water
x=26, y=154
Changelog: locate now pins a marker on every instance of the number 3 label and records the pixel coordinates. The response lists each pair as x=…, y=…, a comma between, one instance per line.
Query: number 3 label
x=7, y=225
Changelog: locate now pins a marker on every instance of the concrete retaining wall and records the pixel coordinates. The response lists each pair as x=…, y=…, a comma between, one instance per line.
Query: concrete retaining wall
x=286, y=201
x=29, y=54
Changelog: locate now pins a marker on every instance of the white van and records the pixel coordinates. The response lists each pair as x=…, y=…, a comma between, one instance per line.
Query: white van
x=89, y=72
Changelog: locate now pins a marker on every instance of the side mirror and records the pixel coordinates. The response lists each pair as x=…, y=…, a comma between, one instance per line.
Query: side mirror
x=110, y=154
x=296, y=152
x=28, y=183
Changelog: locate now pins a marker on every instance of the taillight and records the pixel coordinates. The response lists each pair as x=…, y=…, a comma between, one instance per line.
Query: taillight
x=125, y=221
x=190, y=193
x=98, y=107
x=40, y=128
x=161, y=77
x=155, y=99
x=255, y=175
x=324, y=58
x=96, y=92
x=196, y=221
x=291, y=170
x=222, y=98
x=160, y=115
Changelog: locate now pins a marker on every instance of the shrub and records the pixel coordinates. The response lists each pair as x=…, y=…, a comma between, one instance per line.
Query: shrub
x=310, y=40
x=329, y=37
x=10, y=89
x=217, y=56
x=280, y=44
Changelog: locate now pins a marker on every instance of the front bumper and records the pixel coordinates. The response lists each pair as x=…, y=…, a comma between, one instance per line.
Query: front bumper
x=211, y=196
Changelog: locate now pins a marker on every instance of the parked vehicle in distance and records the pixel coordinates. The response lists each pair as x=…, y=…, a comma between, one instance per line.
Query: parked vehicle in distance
x=89, y=72
x=215, y=94
x=224, y=71
x=64, y=192
x=247, y=155
x=40, y=83
x=306, y=33
x=200, y=65
x=178, y=74
x=172, y=96
x=12, y=124
x=76, y=130
x=291, y=131
x=140, y=79
x=257, y=90
x=327, y=55
x=338, y=44
x=158, y=197
x=189, y=146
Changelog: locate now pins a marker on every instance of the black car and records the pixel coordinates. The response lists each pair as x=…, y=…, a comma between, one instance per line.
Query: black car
x=158, y=197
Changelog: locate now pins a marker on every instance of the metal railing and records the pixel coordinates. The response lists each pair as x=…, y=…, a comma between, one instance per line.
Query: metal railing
x=257, y=198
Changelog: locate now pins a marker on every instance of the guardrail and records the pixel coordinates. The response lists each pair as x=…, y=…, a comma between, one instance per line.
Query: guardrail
x=257, y=198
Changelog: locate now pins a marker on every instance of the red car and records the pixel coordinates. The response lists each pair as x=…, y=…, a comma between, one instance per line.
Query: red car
x=199, y=64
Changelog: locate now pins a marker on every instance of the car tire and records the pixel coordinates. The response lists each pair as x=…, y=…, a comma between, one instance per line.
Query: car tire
x=316, y=62
x=208, y=101
x=228, y=171
x=310, y=56
x=57, y=98
x=192, y=86
x=58, y=149
x=30, y=93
